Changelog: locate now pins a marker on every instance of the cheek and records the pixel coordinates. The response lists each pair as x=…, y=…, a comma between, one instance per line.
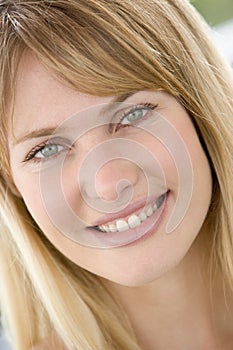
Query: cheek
x=29, y=187
x=199, y=189
x=157, y=159
x=186, y=169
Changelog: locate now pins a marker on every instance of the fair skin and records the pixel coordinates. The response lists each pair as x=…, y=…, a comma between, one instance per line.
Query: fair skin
x=160, y=279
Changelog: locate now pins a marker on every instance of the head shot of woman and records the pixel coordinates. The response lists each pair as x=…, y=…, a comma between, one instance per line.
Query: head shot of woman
x=116, y=186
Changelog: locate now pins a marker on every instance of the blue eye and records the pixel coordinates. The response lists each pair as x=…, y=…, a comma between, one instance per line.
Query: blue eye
x=47, y=150
x=133, y=116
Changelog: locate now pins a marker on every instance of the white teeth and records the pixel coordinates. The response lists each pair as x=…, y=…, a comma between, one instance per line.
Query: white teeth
x=149, y=211
x=134, y=220
x=112, y=228
x=155, y=207
x=142, y=216
x=106, y=228
x=122, y=225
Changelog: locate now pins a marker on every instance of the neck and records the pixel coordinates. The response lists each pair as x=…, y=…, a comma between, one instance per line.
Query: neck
x=180, y=310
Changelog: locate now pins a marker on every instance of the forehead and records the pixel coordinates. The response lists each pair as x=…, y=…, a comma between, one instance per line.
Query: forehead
x=40, y=95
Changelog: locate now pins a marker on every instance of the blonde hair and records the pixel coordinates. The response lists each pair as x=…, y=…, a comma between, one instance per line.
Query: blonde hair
x=105, y=48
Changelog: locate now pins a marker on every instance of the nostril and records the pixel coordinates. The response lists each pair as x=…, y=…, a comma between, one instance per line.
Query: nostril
x=114, y=178
x=123, y=184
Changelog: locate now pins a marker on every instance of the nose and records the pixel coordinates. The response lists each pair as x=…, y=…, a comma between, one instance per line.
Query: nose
x=112, y=180
x=115, y=178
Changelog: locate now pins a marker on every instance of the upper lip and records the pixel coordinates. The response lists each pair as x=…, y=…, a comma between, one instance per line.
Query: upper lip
x=131, y=208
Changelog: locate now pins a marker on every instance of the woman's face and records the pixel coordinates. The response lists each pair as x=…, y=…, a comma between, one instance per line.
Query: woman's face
x=120, y=185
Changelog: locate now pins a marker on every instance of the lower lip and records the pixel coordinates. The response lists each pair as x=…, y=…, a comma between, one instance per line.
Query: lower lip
x=96, y=239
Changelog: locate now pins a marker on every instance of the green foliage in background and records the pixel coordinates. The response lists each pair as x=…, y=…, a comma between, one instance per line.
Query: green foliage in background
x=215, y=11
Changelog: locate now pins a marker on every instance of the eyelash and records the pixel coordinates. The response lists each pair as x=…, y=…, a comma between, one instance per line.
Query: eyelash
x=114, y=127
x=32, y=154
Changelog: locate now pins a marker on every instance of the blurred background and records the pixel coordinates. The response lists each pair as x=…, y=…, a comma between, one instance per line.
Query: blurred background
x=215, y=11
x=219, y=15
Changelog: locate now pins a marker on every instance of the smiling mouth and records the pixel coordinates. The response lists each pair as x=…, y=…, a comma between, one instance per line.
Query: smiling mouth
x=133, y=220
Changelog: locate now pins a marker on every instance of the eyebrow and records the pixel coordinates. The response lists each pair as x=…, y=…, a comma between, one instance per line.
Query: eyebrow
x=43, y=132
x=36, y=134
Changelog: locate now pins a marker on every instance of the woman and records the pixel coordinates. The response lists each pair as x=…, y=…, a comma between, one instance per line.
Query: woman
x=116, y=177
